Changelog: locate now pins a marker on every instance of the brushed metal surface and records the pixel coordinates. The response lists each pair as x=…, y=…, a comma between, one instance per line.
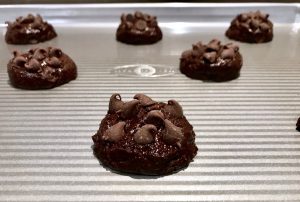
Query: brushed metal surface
x=249, y=149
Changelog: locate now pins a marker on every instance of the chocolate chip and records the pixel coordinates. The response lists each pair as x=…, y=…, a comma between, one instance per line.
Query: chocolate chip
x=186, y=54
x=243, y=17
x=138, y=14
x=213, y=45
x=20, y=61
x=245, y=25
x=129, y=17
x=16, y=53
x=264, y=26
x=123, y=17
x=145, y=134
x=40, y=54
x=128, y=25
x=144, y=99
x=141, y=25
x=129, y=109
x=155, y=117
x=115, y=103
x=227, y=53
x=147, y=17
x=172, y=134
x=210, y=57
x=54, y=62
x=173, y=108
x=27, y=20
x=232, y=45
x=55, y=52
x=115, y=132
x=254, y=24
x=33, y=65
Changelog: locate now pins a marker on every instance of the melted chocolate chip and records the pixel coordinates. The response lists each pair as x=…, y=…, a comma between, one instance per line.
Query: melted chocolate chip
x=213, y=45
x=210, y=57
x=39, y=54
x=144, y=135
x=33, y=65
x=20, y=61
x=227, y=53
x=114, y=133
x=55, y=52
x=53, y=62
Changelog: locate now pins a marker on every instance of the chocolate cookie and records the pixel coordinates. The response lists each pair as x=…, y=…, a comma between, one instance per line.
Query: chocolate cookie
x=29, y=30
x=41, y=68
x=143, y=136
x=138, y=28
x=214, y=61
x=298, y=124
x=252, y=27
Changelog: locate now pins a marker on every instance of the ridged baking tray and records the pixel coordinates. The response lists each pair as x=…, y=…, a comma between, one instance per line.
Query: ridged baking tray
x=249, y=149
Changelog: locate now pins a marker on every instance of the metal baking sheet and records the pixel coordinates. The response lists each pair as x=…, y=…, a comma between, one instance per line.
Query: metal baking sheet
x=249, y=149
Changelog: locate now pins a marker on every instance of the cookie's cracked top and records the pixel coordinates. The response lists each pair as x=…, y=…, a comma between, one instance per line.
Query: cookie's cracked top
x=41, y=68
x=251, y=27
x=144, y=136
x=29, y=30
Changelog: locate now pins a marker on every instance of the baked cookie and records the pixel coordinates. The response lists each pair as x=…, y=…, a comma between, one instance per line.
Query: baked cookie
x=138, y=28
x=41, y=68
x=252, y=27
x=143, y=136
x=29, y=30
x=214, y=61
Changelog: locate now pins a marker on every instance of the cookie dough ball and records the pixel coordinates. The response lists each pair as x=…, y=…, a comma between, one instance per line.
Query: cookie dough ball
x=29, y=30
x=252, y=27
x=138, y=28
x=143, y=136
x=41, y=68
x=212, y=61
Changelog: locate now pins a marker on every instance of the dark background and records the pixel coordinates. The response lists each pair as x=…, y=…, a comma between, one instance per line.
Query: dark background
x=125, y=1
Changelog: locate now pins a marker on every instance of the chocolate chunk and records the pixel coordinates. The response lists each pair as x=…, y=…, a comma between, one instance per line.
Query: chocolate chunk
x=172, y=134
x=147, y=142
x=144, y=100
x=144, y=135
x=138, y=28
x=29, y=30
x=114, y=133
